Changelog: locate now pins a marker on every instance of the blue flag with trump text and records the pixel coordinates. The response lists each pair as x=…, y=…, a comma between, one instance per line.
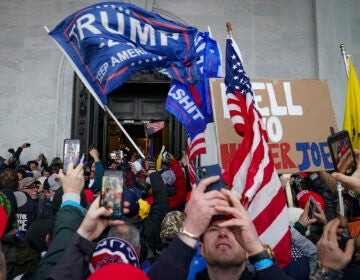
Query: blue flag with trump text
x=108, y=42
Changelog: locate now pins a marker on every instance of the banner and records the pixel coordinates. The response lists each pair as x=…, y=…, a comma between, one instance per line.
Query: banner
x=191, y=105
x=297, y=115
x=108, y=42
x=352, y=110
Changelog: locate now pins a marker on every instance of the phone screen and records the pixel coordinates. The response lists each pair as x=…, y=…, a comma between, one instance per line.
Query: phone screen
x=341, y=151
x=71, y=152
x=312, y=207
x=111, y=194
x=203, y=172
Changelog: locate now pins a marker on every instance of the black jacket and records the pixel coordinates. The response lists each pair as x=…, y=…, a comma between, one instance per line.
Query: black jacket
x=203, y=275
x=150, y=227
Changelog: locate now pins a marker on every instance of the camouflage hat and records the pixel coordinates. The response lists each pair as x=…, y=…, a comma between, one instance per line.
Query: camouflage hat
x=5, y=203
x=171, y=224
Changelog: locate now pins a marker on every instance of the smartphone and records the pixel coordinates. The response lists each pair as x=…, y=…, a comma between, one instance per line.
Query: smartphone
x=203, y=172
x=341, y=151
x=27, y=145
x=312, y=207
x=71, y=152
x=344, y=237
x=111, y=193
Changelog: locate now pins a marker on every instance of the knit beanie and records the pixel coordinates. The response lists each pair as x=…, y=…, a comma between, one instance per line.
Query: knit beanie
x=116, y=270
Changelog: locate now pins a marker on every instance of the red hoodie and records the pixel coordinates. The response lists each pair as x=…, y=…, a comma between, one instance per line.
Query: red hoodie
x=178, y=200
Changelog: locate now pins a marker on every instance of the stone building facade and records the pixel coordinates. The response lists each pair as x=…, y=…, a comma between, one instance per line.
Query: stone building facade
x=278, y=39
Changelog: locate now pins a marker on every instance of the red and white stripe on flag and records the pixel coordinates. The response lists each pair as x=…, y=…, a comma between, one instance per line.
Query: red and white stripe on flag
x=156, y=125
x=194, y=148
x=251, y=174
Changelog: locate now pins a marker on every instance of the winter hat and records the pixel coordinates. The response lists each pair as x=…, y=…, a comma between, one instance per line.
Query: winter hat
x=54, y=182
x=3, y=221
x=112, y=272
x=171, y=224
x=20, y=198
x=89, y=195
x=132, y=196
x=26, y=182
x=112, y=250
x=303, y=198
x=5, y=203
x=36, y=174
x=168, y=177
x=5, y=212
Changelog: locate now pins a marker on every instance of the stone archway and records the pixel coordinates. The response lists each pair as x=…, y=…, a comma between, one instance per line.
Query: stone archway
x=64, y=100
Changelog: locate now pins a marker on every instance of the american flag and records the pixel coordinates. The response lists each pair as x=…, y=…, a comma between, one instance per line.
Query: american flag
x=194, y=148
x=251, y=174
x=156, y=126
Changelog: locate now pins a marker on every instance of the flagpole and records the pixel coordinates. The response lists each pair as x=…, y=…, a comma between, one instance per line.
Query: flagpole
x=106, y=108
x=229, y=29
x=345, y=57
x=93, y=93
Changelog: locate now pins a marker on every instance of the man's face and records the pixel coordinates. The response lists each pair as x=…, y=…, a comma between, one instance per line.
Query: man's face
x=33, y=166
x=46, y=174
x=220, y=248
x=32, y=191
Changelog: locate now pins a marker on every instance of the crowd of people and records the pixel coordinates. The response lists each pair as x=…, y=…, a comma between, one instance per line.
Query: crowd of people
x=53, y=227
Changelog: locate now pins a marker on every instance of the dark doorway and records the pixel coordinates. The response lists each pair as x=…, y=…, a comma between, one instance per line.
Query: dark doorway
x=141, y=99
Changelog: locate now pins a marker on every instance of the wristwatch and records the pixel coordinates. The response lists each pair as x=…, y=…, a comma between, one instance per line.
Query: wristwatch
x=267, y=253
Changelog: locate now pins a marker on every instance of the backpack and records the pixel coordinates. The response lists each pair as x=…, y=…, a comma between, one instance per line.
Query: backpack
x=20, y=259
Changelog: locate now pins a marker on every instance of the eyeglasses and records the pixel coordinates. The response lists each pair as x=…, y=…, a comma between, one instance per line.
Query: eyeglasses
x=31, y=187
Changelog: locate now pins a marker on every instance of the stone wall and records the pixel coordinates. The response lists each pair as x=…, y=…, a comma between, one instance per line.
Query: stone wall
x=278, y=39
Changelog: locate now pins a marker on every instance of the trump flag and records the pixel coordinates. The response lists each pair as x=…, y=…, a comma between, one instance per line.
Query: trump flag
x=108, y=42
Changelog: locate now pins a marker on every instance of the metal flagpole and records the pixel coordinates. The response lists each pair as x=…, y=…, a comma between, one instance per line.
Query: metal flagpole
x=345, y=57
x=106, y=108
x=339, y=185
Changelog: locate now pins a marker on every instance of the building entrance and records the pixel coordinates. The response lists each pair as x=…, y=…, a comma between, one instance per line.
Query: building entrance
x=138, y=101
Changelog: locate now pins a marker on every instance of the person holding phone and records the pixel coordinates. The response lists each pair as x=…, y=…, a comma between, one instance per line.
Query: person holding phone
x=305, y=220
x=353, y=180
x=226, y=234
x=70, y=219
x=96, y=171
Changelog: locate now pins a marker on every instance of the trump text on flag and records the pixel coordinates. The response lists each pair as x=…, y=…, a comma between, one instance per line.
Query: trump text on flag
x=108, y=42
x=296, y=114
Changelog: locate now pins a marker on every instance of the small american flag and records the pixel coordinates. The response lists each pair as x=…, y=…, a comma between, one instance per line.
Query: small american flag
x=156, y=126
x=194, y=148
x=251, y=173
